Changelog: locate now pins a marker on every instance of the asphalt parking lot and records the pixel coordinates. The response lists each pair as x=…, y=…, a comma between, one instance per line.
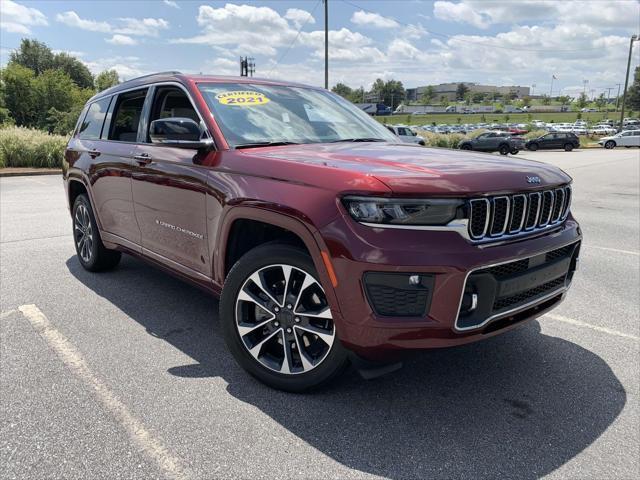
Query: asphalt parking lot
x=125, y=374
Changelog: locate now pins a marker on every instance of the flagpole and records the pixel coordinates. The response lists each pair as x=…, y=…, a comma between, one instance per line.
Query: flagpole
x=551, y=89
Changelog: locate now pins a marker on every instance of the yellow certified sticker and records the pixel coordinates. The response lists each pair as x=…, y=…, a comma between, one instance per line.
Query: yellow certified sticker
x=242, y=98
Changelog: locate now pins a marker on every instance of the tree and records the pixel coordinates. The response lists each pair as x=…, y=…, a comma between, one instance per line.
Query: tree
x=468, y=98
x=77, y=71
x=564, y=100
x=582, y=100
x=478, y=97
x=357, y=96
x=33, y=55
x=18, y=94
x=428, y=95
x=546, y=100
x=526, y=101
x=601, y=101
x=109, y=78
x=633, y=92
x=340, y=88
x=391, y=93
x=444, y=100
x=461, y=90
x=53, y=89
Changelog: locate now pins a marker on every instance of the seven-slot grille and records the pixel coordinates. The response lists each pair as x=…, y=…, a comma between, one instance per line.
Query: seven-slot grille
x=494, y=217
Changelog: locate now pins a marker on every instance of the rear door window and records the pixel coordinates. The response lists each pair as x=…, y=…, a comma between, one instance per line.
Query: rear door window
x=91, y=126
x=126, y=116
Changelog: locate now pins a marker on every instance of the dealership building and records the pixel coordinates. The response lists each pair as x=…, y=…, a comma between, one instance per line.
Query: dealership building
x=449, y=90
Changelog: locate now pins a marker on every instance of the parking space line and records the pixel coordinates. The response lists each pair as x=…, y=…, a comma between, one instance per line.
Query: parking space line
x=628, y=252
x=73, y=359
x=597, y=328
x=8, y=313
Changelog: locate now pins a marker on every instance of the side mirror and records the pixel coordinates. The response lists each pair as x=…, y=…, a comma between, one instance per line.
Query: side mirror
x=178, y=132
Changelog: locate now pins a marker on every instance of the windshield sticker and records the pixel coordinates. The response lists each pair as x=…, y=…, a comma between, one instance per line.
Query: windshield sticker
x=242, y=98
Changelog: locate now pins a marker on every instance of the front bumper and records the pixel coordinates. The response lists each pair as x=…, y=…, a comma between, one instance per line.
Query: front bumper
x=449, y=261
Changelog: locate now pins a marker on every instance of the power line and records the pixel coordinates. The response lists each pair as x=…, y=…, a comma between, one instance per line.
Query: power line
x=492, y=45
x=284, y=54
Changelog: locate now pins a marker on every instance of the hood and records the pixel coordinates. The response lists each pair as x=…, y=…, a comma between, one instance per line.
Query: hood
x=411, y=169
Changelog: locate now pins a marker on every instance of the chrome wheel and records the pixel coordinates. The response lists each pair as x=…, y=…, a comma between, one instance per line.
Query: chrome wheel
x=83, y=233
x=283, y=319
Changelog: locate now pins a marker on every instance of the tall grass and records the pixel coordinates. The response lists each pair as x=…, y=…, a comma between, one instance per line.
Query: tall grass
x=26, y=147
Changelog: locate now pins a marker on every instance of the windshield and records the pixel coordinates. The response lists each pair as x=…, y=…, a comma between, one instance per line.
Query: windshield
x=253, y=115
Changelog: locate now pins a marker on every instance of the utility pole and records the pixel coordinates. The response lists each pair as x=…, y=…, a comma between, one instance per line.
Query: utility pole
x=533, y=87
x=247, y=66
x=553, y=77
x=626, y=79
x=618, y=96
x=326, y=44
x=584, y=87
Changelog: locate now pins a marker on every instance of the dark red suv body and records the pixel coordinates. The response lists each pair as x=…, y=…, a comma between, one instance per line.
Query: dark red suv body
x=505, y=255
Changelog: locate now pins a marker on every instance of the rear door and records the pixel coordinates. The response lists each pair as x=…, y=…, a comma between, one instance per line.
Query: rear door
x=169, y=189
x=110, y=165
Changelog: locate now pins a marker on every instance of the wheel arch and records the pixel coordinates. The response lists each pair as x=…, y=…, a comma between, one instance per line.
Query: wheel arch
x=243, y=220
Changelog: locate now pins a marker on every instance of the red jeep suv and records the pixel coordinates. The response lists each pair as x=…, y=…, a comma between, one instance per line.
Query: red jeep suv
x=326, y=238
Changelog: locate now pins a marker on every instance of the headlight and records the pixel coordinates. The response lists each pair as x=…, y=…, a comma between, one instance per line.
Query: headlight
x=402, y=212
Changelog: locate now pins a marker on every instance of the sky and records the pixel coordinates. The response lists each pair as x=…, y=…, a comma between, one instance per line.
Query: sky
x=509, y=42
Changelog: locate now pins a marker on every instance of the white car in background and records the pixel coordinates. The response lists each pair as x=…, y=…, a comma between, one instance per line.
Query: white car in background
x=629, y=138
x=406, y=134
x=579, y=130
x=602, y=130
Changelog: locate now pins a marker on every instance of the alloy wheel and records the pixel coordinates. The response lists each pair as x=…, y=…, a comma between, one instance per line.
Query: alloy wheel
x=284, y=320
x=83, y=233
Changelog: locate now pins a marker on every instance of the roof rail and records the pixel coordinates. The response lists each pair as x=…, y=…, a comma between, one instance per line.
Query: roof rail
x=168, y=72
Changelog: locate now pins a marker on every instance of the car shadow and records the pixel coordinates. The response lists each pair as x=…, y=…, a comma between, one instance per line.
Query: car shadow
x=519, y=405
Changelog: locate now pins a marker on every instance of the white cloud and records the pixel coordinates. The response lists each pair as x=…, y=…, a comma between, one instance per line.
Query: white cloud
x=299, y=17
x=149, y=27
x=402, y=49
x=17, y=18
x=72, y=19
x=171, y=3
x=344, y=45
x=127, y=67
x=483, y=13
x=373, y=20
x=118, y=39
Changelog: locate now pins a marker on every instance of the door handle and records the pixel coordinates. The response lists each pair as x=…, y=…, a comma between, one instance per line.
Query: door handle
x=94, y=153
x=143, y=159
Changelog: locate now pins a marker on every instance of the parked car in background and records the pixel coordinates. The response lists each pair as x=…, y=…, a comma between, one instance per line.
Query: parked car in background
x=629, y=138
x=566, y=140
x=602, y=130
x=517, y=130
x=579, y=130
x=501, y=142
x=406, y=134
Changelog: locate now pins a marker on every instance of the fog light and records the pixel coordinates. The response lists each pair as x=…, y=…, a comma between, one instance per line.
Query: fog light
x=469, y=302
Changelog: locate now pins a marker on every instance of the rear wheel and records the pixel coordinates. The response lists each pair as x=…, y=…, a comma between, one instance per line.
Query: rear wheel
x=609, y=144
x=504, y=149
x=568, y=147
x=277, y=322
x=92, y=253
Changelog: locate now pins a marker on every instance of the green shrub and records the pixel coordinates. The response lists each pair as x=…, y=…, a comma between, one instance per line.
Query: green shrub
x=534, y=134
x=26, y=147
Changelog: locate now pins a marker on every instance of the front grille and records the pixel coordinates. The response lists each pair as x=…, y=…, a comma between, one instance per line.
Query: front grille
x=508, y=269
x=505, y=215
x=523, y=297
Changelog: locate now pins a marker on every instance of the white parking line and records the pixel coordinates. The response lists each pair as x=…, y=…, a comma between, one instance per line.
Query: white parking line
x=73, y=359
x=597, y=328
x=8, y=313
x=628, y=252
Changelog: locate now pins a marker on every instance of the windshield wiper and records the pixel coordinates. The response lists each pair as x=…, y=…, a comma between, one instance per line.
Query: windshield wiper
x=358, y=140
x=266, y=144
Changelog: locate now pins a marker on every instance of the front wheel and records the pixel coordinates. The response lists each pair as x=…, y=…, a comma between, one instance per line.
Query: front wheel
x=504, y=149
x=92, y=253
x=610, y=144
x=533, y=147
x=465, y=146
x=568, y=147
x=277, y=322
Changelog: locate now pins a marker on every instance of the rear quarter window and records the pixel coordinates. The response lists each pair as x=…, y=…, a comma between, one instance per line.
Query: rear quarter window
x=91, y=126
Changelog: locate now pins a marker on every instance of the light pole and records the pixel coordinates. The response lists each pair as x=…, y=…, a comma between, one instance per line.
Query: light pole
x=626, y=79
x=533, y=87
x=618, y=97
x=326, y=44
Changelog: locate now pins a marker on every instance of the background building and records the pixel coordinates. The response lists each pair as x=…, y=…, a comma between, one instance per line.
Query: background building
x=450, y=90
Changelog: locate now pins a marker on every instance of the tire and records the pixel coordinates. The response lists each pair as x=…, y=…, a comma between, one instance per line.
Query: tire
x=609, y=144
x=504, y=149
x=289, y=356
x=421, y=143
x=568, y=147
x=533, y=147
x=514, y=151
x=92, y=253
x=465, y=146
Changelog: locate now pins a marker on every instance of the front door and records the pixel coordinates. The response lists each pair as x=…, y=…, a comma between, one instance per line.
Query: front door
x=169, y=190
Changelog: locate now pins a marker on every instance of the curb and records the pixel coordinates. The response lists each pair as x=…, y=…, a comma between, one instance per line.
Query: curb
x=28, y=172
